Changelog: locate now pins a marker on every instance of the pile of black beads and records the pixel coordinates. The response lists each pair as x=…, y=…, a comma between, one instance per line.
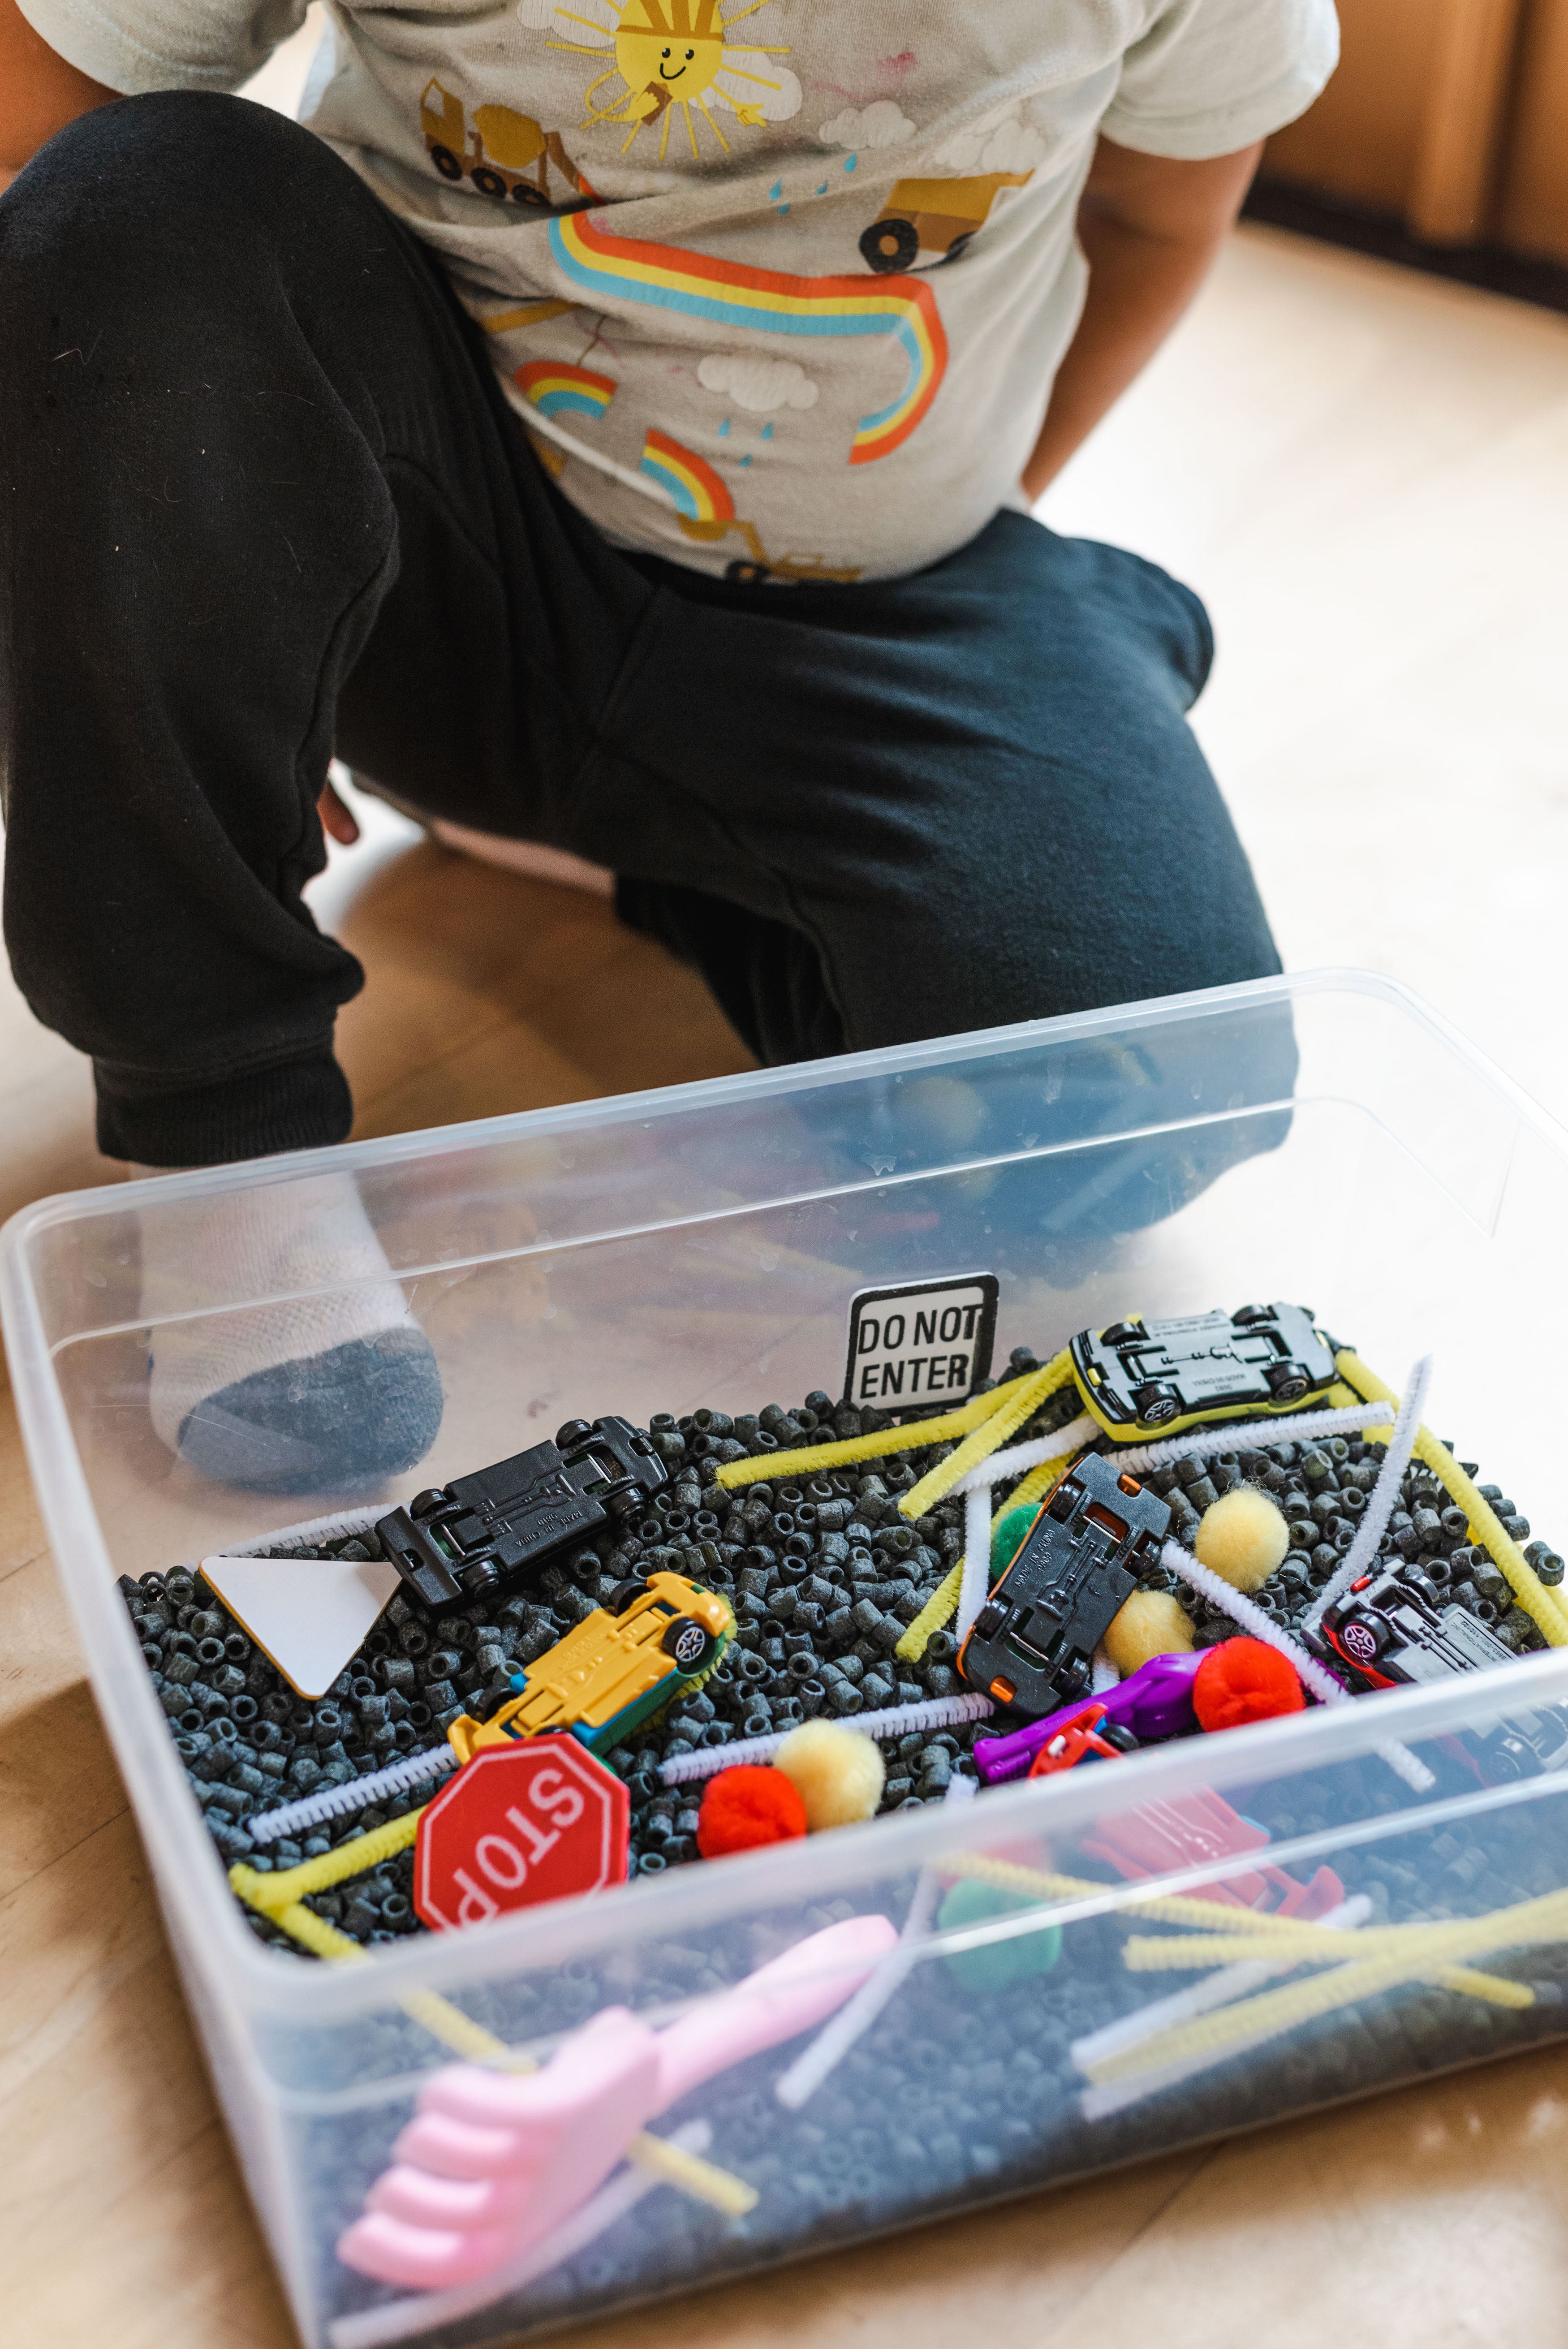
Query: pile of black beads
x=824, y=1577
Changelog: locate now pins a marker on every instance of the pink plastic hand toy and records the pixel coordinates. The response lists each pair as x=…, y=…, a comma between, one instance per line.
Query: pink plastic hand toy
x=493, y=2161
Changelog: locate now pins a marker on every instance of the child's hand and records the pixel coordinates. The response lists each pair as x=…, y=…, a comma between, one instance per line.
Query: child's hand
x=336, y=821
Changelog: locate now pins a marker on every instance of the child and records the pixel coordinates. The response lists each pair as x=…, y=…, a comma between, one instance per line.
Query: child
x=615, y=428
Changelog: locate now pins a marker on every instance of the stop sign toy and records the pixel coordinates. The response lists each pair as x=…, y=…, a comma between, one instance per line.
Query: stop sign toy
x=518, y=1825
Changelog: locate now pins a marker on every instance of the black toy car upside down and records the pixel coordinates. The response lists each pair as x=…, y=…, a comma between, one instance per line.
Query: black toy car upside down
x=1078, y=1563
x=464, y=1539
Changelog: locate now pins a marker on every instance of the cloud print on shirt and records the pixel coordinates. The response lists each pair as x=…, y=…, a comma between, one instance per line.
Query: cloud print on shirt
x=881, y=124
x=999, y=142
x=757, y=384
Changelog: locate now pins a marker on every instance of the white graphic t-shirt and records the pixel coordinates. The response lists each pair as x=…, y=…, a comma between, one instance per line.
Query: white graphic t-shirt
x=779, y=287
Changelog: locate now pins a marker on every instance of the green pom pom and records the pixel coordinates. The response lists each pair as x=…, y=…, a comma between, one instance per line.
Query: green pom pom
x=1008, y=1532
x=993, y=1967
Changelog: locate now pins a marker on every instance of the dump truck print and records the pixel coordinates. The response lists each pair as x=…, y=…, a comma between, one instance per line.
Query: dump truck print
x=756, y=566
x=930, y=216
x=505, y=153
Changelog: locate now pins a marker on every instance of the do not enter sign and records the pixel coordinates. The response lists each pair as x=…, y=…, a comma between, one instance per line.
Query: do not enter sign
x=518, y=1825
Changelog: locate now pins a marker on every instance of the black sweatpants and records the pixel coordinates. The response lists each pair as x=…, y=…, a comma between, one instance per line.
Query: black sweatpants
x=262, y=500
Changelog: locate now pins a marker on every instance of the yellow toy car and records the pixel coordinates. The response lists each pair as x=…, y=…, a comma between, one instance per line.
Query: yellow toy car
x=614, y=1671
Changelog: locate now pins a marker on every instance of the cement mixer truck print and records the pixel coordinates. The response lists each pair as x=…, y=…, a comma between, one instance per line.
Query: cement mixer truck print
x=505, y=154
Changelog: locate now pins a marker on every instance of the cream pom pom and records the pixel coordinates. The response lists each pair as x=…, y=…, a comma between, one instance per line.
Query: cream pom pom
x=1151, y=1623
x=1243, y=1538
x=837, y=1773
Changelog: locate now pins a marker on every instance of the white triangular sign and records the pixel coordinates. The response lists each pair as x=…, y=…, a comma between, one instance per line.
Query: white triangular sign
x=310, y=1615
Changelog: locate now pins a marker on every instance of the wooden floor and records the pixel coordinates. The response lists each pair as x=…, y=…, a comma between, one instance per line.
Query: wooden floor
x=1427, y=2219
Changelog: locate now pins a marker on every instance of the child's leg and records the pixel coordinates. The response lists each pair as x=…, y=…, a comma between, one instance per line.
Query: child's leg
x=876, y=813
x=931, y=804
x=245, y=430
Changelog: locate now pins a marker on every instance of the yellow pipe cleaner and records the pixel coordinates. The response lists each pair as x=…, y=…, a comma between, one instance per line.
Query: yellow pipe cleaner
x=1021, y=1397
x=1541, y=1605
x=1249, y=1932
x=808, y=1458
x=1280, y=2010
x=1146, y=1956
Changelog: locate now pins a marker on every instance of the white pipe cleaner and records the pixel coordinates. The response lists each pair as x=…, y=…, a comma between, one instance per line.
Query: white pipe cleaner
x=890, y=1720
x=1382, y=1500
x=334, y=1801
x=855, y=2018
x=976, y=1587
x=1229, y=1983
x=1013, y=1462
x=1287, y=1427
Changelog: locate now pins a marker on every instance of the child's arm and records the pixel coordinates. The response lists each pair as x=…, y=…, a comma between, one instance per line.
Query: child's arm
x=39, y=92
x=1150, y=226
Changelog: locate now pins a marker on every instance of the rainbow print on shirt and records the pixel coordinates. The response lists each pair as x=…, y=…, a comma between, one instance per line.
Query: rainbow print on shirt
x=698, y=493
x=611, y=269
x=555, y=385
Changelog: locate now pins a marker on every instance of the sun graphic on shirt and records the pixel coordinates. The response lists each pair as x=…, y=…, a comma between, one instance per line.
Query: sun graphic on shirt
x=675, y=56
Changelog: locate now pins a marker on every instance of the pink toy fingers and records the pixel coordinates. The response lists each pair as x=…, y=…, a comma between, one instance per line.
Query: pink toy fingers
x=414, y=2195
x=423, y=2258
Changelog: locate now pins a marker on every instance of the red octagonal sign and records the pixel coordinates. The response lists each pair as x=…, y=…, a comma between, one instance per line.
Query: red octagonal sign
x=518, y=1825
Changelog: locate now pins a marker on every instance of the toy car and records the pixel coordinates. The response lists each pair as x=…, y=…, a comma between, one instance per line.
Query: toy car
x=1076, y=1565
x=614, y=1671
x=1139, y=1378
x=463, y=1540
x=1391, y=1636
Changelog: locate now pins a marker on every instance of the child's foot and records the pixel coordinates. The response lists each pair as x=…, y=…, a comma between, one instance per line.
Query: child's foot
x=335, y=1385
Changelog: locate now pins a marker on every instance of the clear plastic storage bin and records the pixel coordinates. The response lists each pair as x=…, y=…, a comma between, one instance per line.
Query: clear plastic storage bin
x=1326, y=1140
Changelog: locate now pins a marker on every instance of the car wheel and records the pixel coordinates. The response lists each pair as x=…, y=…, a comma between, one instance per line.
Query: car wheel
x=425, y=1504
x=958, y=248
x=488, y=183
x=621, y=1596
x=446, y=162
x=1288, y=1381
x=889, y=245
x=1121, y=1333
x=1156, y=1404
x=525, y=193
x=688, y=1641
x=1245, y=1315
x=572, y=1431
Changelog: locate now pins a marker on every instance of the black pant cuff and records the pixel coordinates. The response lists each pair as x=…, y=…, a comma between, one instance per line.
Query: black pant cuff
x=159, y=1121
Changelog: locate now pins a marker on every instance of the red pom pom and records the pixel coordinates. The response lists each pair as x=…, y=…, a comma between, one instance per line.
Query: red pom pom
x=748, y=1806
x=1244, y=1679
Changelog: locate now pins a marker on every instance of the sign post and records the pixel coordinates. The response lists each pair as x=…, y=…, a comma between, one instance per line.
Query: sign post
x=927, y=1345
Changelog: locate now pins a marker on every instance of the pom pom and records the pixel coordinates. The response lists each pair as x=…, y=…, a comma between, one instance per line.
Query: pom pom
x=1244, y=1679
x=748, y=1806
x=997, y=1964
x=1008, y=1532
x=1152, y=1623
x=839, y=1774
x=1243, y=1538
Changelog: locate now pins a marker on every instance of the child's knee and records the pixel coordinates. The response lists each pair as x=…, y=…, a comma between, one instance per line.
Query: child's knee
x=137, y=200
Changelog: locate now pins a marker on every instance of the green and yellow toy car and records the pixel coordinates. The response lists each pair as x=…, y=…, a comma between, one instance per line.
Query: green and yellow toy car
x=614, y=1670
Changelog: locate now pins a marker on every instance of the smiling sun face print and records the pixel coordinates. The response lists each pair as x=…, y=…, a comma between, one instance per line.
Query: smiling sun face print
x=675, y=56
